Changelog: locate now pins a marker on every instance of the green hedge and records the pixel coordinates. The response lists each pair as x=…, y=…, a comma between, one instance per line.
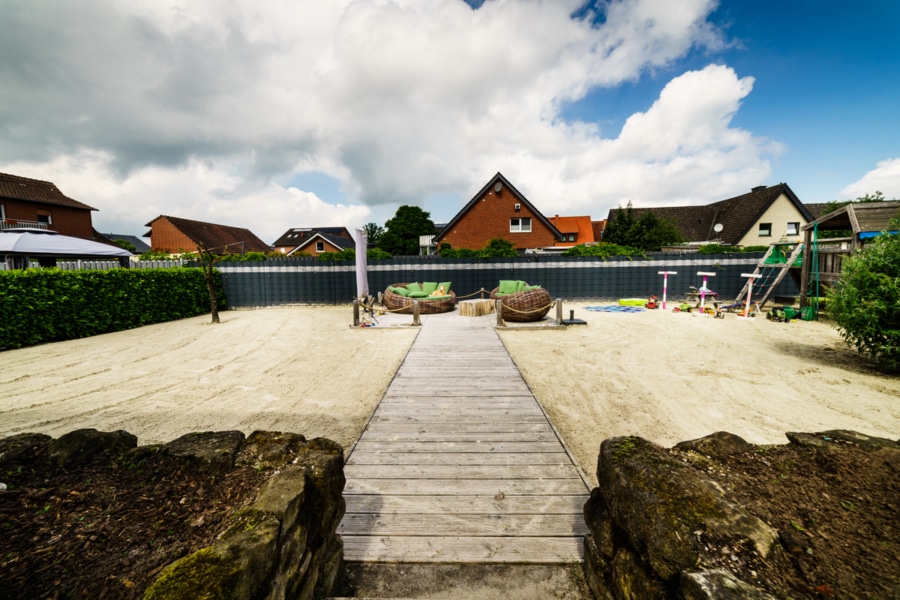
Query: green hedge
x=46, y=305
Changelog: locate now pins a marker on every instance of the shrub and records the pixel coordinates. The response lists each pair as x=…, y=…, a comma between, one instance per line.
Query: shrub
x=46, y=305
x=719, y=249
x=865, y=302
x=603, y=250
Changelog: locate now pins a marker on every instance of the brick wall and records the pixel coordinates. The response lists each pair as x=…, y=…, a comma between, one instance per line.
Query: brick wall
x=166, y=238
x=75, y=222
x=489, y=218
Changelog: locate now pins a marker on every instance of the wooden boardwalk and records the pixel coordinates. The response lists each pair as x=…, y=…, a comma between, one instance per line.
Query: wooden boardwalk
x=459, y=464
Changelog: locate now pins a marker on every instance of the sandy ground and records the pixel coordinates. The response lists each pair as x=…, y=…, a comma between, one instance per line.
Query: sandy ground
x=672, y=377
x=287, y=369
x=664, y=376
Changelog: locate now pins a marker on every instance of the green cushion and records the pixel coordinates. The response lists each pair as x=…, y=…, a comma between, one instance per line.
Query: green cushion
x=508, y=286
x=419, y=294
x=402, y=291
x=521, y=285
x=429, y=286
x=528, y=288
x=438, y=297
x=445, y=285
x=414, y=287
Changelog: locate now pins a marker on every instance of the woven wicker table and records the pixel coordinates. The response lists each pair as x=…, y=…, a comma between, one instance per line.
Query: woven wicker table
x=475, y=308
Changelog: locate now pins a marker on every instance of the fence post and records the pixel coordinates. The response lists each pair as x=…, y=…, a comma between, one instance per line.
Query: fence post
x=356, y=312
x=559, y=311
x=498, y=305
x=416, y=322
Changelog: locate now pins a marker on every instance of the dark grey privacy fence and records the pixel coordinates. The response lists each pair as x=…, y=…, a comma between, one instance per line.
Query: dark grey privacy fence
x=281, y=282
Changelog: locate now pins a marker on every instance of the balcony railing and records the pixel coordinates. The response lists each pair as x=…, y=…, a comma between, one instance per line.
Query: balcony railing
x=18, y=223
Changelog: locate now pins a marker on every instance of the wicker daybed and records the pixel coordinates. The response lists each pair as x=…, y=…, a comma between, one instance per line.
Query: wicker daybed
x=524, y=306
x=404, y=304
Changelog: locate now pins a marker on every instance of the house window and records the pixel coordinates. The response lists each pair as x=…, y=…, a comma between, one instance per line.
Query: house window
x=2, y=212
x=521, y=224
x=45, y=217
x=320, y=246
x=793, y=229
x=765, y=230
x=570, y=237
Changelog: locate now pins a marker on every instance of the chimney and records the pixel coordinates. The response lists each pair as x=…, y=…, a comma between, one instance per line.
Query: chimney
x=758, y=188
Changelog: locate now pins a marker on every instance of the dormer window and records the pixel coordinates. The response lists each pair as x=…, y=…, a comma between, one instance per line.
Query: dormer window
x=520, y=225
x=320, y=246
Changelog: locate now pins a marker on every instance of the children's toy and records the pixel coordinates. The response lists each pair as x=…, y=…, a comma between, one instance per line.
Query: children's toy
x=652, y=303
x=665, y=275
x=703, y=289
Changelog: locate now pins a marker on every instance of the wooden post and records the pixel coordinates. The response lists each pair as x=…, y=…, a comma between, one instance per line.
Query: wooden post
x=559, y=311
x=416, y=321
x=356, y=312
x=805, y=269
x=498, y=305
x=750, y=277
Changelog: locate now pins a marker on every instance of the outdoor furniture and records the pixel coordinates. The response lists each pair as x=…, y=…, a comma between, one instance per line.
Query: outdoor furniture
x=476, y=308
x=531, y=303
x=428, y=305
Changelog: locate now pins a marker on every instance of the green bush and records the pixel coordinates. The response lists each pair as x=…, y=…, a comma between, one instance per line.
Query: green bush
x=719, y=249
x=865, y=302
x=603, y=250
x=46, y=305
x=495, y=248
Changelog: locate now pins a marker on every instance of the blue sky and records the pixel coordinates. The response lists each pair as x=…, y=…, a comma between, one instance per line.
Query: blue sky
x=280, y=114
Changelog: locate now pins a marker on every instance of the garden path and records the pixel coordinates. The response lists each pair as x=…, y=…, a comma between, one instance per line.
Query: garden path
x=459, y=463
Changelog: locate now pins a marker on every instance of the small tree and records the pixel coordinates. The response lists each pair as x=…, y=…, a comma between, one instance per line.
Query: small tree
x=207, y=261
x=865, y=302
x=498, y=248
x=403, y=230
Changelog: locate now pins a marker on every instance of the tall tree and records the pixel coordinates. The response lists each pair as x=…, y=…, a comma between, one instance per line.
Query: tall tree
x=374, y=232
x=403, y=230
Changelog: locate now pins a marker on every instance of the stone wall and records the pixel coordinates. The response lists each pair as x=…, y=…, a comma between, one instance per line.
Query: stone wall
x=659, y=526
x=646, y=518
x=283, y=545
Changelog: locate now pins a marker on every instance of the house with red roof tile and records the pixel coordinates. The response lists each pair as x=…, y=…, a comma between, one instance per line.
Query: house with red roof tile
x=40, y=204
x=175, y=235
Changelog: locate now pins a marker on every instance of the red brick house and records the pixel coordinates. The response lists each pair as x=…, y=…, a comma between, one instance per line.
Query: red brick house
x=174, y=235
x=34, y=203
x=291, y=240
x=499, y=210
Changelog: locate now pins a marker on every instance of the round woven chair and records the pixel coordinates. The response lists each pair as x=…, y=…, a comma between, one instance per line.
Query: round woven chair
x=404, y=305
x=524, y=306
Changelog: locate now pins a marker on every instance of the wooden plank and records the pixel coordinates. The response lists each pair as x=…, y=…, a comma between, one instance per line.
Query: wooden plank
x=460, y=436
x=458, y=427
x=439, y=471
x=509, y=505
x=449, y=524
x=361, y=457
x=468, y=402
x=504, y=447
x=466, y=487
x=462, y=411
x=562, y=550
x=449, y=418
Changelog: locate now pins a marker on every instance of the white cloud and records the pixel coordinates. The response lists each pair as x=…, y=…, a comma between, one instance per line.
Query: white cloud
x=884, y=178
x=195, y=108
x=201, y=191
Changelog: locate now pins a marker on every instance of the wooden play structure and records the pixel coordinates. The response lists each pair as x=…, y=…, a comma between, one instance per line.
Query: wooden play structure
x=816, y=262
